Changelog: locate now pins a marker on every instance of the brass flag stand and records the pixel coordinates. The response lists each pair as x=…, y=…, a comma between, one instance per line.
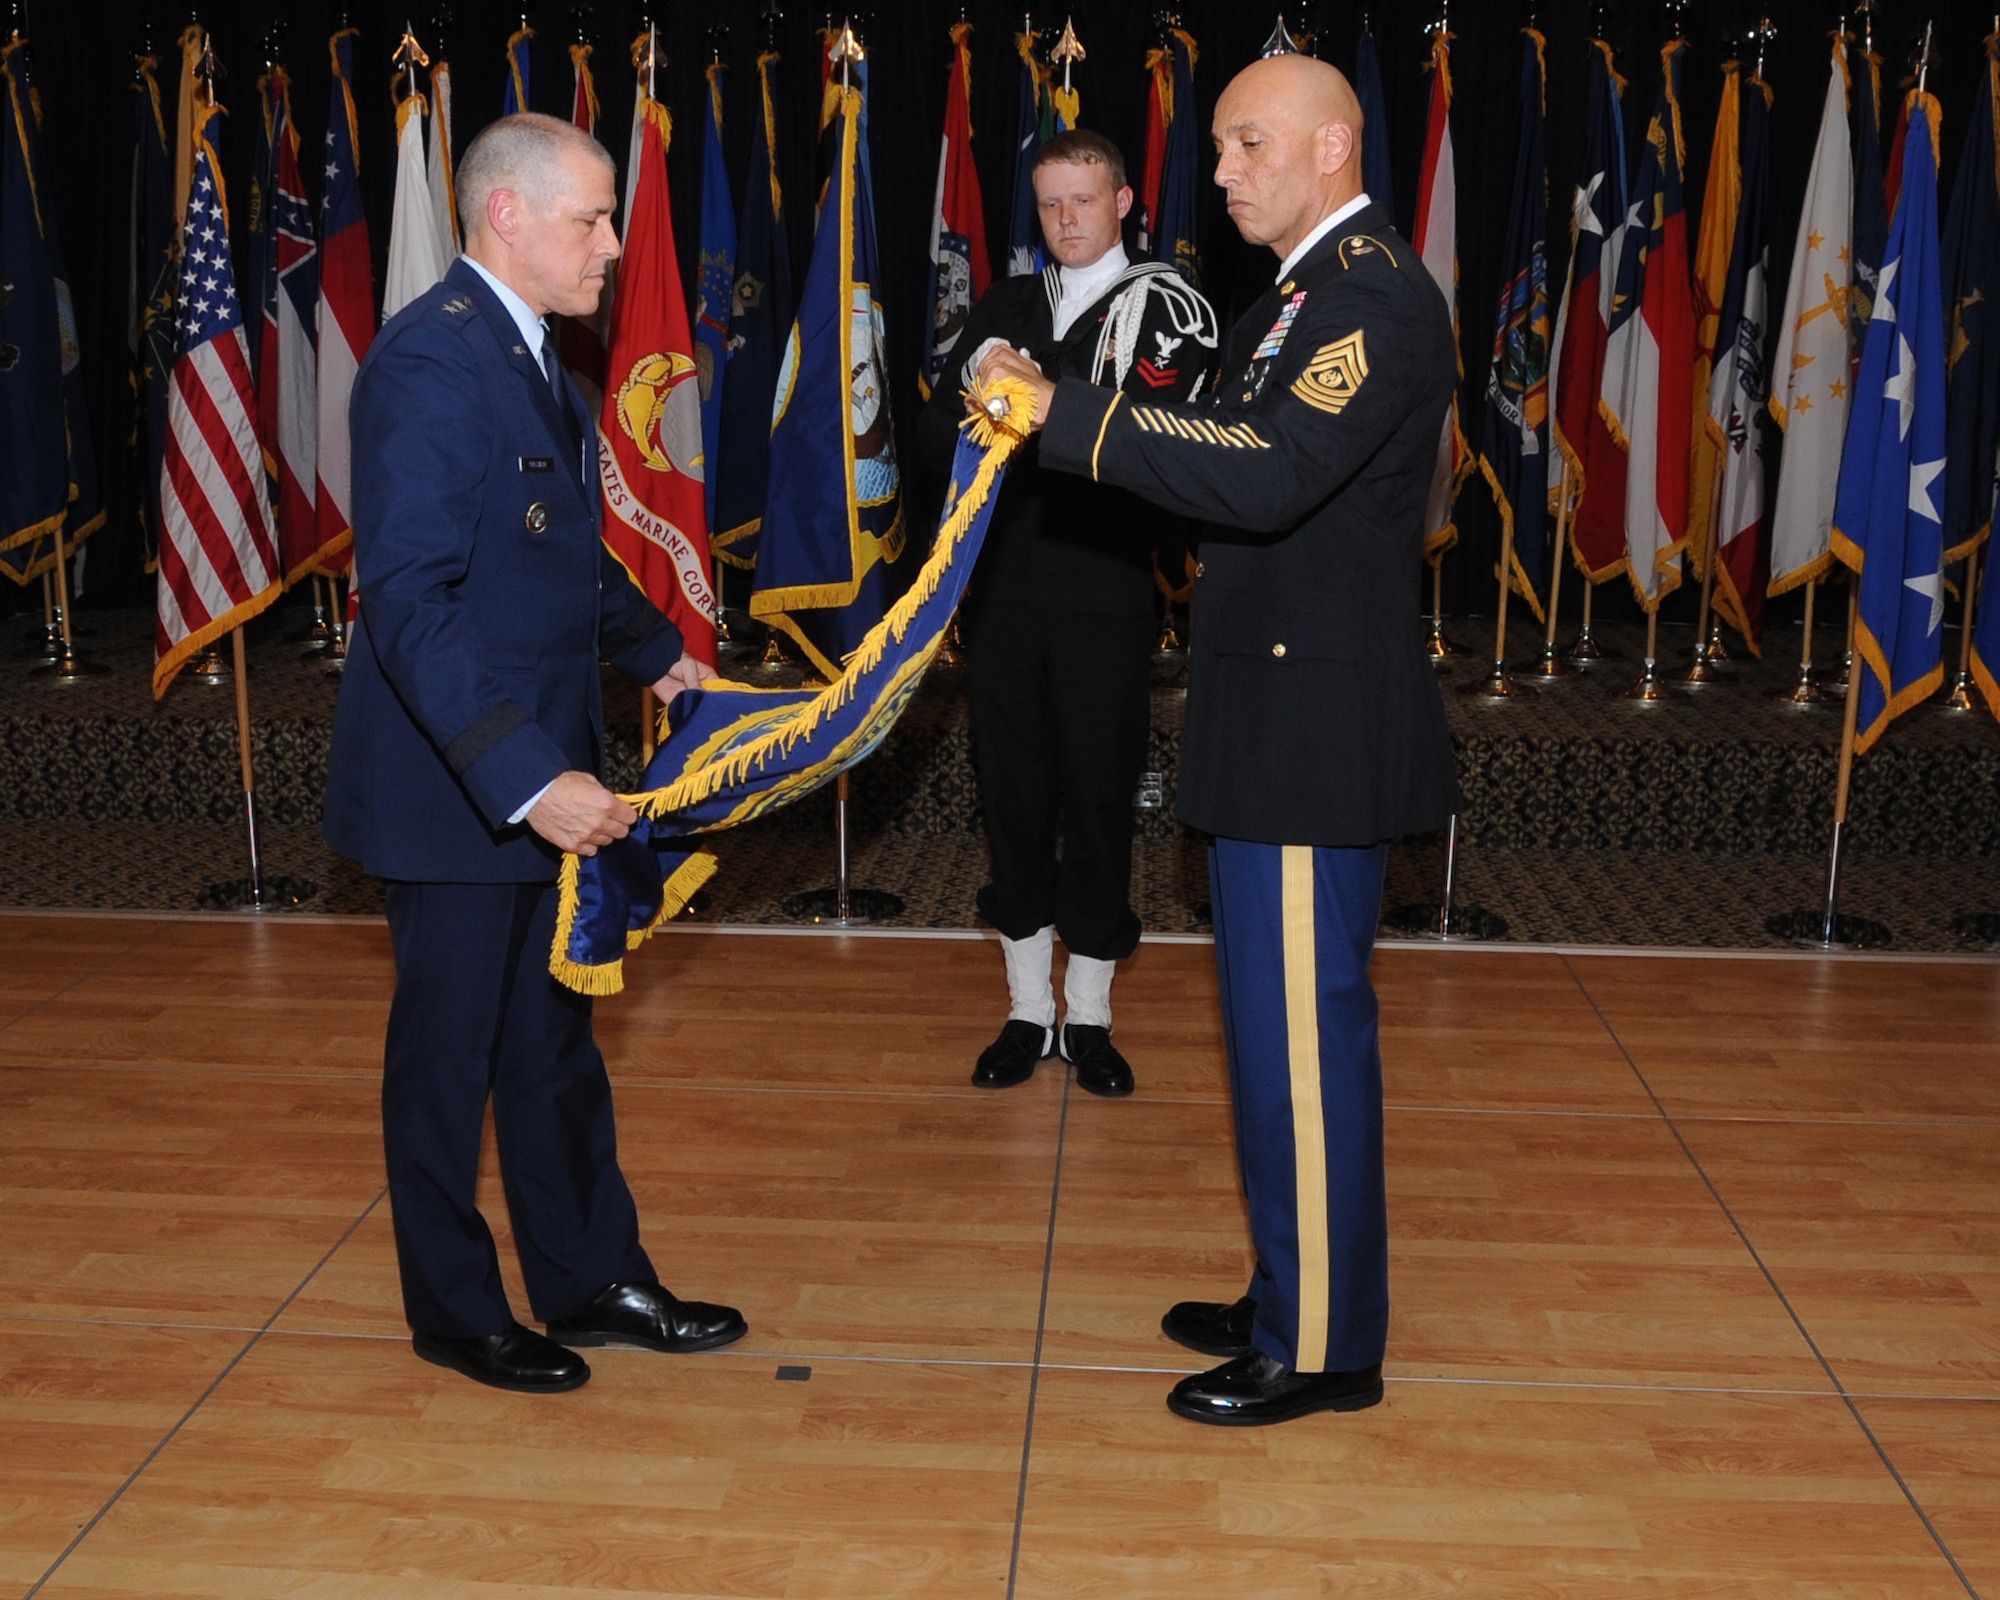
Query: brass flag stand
x=1551, y=663
x=1805, y=692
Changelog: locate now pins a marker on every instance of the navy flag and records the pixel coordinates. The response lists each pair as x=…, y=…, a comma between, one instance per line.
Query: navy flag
x=833, y=519
x=1376, y=175
x=1888, y=522
x=1514, y=434
x=733, y=752
x=760, y=313
x=1180, y=170
x=714, y=285
x=1972, y=344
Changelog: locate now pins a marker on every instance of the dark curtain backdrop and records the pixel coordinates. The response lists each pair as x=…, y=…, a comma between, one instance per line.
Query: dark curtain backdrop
x=83, y=58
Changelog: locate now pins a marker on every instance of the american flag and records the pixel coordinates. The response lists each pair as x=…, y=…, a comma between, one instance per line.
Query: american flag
x=218, y=557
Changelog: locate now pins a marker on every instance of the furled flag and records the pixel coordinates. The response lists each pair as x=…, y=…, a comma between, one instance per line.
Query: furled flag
x=1437, y=244
x=760, y=315
x=1514, y=434
x=1986, y=642
x=415, y=262
x=581, y=341
x=1025, y=250
x=1739, y=389
x=150, y=286
x=44, y=416
x=1810, y=370
x=1649, y=354
x=1888, y=518
x=515, y=98
x=287, y=385
x=1972, y=343
x=444, y=185
x=260, y=264
x=1721, y=198
x=1159, y=112
x=1377, y=177
x=218, y=553
x=833, y=524
x=1589, y=462
x=959, y=269
x=714, y=282
x=649, y=434
x=1180, y=176
x=346, y=315
x=1870, y=204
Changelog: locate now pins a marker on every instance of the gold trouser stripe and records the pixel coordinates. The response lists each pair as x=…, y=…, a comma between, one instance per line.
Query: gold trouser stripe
x=1308, y=1120
x=1097, y=449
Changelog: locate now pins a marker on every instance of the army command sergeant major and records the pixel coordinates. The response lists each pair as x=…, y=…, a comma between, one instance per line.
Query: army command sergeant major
x=1315, y=731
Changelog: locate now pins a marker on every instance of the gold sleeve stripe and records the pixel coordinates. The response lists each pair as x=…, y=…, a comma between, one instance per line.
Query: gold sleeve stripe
x=1197, y=430
x=1097, y=448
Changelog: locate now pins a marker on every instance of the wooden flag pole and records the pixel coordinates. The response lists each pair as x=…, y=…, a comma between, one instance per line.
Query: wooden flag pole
x=67, y=667
x=1584, y=650
x=1647, y=690
x=1437, y=646
x=1551, y=663
x=1496, y=685
x=1805, y=692
x=1701, y=671
x=1959, y=696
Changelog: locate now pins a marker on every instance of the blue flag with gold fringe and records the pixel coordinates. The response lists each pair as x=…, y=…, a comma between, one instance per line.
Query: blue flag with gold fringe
x=1514, y=436
x=833, y=516
x=733, y=752
x=1972, y=345
x=714, y=285
x=1887, y=520
x=515, y=99
x=1180, y=168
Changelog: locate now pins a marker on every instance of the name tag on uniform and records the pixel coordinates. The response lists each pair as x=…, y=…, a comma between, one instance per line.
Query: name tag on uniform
x=538, y=463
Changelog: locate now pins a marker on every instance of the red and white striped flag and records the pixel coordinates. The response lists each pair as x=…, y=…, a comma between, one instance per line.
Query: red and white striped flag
x=218, y=550
x=1437, y=245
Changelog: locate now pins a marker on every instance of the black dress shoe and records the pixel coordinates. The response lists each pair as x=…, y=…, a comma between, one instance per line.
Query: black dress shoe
x=1099, y=1067
x=1253, y=1391
x=1211, y=1327
x=519, y=1359
x=645, y=1316
x=1011, y=1058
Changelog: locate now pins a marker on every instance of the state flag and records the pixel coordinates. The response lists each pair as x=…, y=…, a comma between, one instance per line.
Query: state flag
x=415, y=261
x=1972, y=343
x=150, y=290
x=287, y=379
x=1377, y=177
x=514, y=98
x=1721, y=198
x=439, y=169
x=346, y=316
x=1436, y=241
x=1025, y=250
x=1180, y=166
x=959, y=268
x=714, y=284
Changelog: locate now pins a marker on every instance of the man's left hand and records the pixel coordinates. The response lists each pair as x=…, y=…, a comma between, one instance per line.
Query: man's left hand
x=686, y=673
x=1004, y=362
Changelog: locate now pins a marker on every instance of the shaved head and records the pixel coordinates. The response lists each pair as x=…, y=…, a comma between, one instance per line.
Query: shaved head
x=1288, y=148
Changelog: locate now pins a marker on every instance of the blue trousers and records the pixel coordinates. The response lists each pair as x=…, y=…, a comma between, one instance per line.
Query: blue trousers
x=1294, y=929
x=476, y=1015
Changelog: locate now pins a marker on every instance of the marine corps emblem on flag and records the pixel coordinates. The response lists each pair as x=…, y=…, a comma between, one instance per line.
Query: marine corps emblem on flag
x=1334, y=375
x=660, y=412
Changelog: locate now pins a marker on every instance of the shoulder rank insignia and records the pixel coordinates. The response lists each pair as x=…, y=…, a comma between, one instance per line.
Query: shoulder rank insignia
x=1357, y=245
x=1334, y=375
x=452, y=308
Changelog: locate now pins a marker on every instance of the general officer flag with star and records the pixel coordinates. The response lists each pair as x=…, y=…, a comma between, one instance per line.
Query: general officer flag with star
x=1888, y=516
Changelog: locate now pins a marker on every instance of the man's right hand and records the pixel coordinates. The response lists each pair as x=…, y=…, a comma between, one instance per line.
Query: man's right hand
x=578, y=814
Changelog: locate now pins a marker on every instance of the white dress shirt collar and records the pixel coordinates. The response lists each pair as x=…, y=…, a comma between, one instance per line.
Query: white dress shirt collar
x=1082, y=287
x=1326, y=226
x=534, y=332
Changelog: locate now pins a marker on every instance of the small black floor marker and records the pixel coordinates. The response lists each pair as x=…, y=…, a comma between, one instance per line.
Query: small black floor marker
x=795, y=1374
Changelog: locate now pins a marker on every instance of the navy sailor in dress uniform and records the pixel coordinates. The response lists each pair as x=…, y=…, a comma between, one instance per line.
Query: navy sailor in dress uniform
x=466, y=751
x=1315, y=731
x=1060, y=618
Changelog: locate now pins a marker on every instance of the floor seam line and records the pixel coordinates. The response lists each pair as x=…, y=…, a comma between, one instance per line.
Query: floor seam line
x=201, y=1399
x=84, y=977
x=1770, y=1277
x=1041, y=1330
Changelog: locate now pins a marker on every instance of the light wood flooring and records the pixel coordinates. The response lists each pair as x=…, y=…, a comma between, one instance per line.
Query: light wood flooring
x=1696, y=1266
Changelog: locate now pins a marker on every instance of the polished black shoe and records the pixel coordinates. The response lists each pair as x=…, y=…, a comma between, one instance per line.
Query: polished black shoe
x=1099, y=1067
x=1211, y=1327
x=1253, y=1391
x=644, y=1316
x=1012, y=1058
x=519, y=1359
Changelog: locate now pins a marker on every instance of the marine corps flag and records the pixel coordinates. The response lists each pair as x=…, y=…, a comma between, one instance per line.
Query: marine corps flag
x=714, y=283
x=1972, y=343
x=760, y=315
x=1590, y=464
x=959, y=269
x=649, y=435
x=1437, y=244
x=1649, y=356
x=833, y=525
x=1888, y=524
x=1810, y=371
x=1514, y=434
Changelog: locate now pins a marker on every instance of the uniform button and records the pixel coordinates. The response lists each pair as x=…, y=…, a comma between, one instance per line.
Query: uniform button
x=1277, y=650
x=1200, y=571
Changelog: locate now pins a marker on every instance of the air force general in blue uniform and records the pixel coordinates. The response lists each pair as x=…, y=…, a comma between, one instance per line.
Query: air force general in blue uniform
x=466, y=747
x=1314, y=732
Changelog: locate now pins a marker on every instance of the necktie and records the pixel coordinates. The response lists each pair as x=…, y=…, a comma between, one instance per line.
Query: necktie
x=552, y=369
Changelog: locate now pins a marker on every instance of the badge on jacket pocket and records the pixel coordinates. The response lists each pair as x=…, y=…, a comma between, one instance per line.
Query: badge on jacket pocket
x=538, y=518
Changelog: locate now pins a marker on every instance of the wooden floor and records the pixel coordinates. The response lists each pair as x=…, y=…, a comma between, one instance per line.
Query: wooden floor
x=1696, y=1265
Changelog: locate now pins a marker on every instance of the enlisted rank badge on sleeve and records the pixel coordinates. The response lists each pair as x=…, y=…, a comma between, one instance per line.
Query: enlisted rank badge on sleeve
x=1334, y=374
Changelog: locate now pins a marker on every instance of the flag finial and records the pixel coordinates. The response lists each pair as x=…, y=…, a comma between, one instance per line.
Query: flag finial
x=1067, y=51
x=1762, y=36
x=1923, y=61
x=1281, y=42
x=1441, y=27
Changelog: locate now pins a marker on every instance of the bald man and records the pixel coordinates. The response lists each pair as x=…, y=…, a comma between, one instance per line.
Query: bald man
x=1315, y=732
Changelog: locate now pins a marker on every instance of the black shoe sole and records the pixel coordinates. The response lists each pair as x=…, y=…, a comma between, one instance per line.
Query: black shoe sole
x=1360, y=1400
x=492, y=1382
x=629, y=1341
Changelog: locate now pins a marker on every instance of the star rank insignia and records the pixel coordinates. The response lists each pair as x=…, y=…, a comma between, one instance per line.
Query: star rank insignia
x=452, y=308
x=1334, y=375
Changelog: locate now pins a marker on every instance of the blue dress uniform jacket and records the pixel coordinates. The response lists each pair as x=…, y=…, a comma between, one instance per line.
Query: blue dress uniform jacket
x=1312, y=715
x=487, y=598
